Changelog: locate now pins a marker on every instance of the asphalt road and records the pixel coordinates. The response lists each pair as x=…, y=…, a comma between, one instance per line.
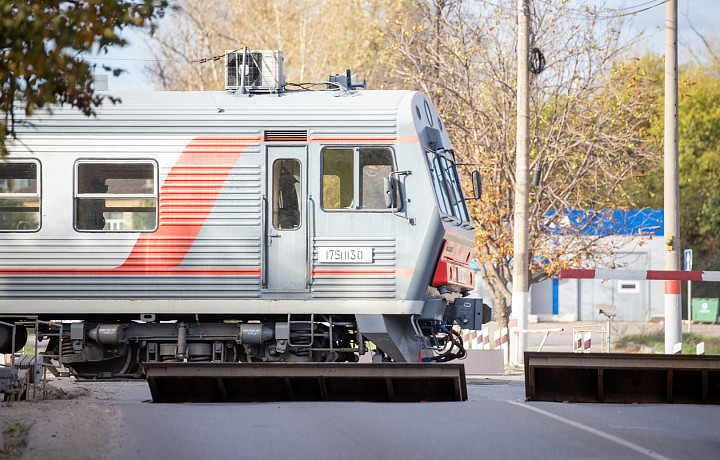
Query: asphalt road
x=495, y=422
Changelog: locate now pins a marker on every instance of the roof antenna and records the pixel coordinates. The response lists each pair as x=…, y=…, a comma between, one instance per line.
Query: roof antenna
x=346, y=80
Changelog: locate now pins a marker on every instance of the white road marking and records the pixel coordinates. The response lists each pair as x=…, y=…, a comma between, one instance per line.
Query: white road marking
x=596, y=432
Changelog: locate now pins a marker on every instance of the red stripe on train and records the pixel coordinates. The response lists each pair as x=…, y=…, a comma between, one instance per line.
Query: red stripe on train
x=167, y=247
x=187, y=197
x=327, y=272
x=156, y=271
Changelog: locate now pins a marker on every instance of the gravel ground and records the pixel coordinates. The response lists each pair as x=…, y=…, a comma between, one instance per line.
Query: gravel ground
x=76, y=421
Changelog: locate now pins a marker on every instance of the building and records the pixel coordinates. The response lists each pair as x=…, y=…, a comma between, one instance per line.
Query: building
x=640, y=233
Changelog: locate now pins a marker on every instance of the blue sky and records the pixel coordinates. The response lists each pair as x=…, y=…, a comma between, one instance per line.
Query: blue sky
x=703, y=14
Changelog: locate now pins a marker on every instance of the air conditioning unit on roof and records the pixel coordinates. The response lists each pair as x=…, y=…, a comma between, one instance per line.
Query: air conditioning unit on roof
x=263, y=71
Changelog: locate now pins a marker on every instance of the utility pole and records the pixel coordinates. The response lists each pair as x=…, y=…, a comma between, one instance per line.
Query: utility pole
x=673, y=316
x=521, y=285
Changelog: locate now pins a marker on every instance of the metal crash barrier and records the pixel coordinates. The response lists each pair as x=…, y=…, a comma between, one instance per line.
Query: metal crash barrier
x=21, y=374
x=264, y=382
x=622, y=378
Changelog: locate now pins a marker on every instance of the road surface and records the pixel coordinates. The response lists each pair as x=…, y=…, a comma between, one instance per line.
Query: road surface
x=496, y=422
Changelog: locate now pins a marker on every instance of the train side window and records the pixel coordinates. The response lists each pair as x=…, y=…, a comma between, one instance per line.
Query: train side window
x=338, y=178
x=375, y=165
x=119, y=196
x=355, y=176
x=19, y=196
x=287, y=189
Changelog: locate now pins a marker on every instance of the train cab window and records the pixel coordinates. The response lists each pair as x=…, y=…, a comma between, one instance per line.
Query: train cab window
x=287, y=188
x=116, y=196
x=353, y=178
x=447, y=186
x=19, y=196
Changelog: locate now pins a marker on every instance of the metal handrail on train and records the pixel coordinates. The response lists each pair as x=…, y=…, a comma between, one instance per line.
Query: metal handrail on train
x=309, y=245
x=263, y=242
x=399, y=195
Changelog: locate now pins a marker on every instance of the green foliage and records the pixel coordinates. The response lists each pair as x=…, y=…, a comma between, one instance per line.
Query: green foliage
x=41, y=61
x=699, y=148
x=14, y=437
x=656, y=341
x=633, y=341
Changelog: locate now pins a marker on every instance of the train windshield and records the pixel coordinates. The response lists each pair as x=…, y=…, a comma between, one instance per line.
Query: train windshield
x=447, y=186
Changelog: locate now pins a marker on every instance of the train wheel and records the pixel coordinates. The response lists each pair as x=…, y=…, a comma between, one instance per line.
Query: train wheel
x=6, y=337
x=106, y=369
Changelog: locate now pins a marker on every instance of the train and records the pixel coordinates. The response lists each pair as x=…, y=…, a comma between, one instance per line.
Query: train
x=264, y=223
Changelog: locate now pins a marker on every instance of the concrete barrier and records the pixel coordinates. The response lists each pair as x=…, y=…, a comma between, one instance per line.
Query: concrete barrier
x=484, y=362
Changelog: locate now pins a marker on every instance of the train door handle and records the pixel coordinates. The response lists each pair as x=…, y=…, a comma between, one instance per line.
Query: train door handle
x=272, y=235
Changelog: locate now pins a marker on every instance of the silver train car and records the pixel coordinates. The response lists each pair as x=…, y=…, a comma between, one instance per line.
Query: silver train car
x=218, y=226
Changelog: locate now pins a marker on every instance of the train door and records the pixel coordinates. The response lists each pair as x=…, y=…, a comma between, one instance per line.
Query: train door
x=286, y=258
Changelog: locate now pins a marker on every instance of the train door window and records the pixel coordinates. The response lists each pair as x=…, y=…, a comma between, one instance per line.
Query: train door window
x=19, y=196
x=353, y=178
x=116, y=196
x=287, y=189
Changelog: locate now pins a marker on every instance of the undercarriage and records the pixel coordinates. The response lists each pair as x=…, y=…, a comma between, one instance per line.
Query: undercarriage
x=117, y=348
x=93, y=349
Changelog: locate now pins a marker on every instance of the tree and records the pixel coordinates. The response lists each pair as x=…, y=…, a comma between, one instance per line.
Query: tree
x=317, y=37
x=590, y=112
x=43, y=41
x=699, y=129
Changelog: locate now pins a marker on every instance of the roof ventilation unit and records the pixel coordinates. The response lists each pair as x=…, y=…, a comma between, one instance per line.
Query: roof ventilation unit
x=254, y=71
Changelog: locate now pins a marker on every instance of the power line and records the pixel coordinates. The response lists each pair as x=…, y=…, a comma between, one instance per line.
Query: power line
x=584, y=14
x=609, y=13
x=661, y=2
x=623, y=10
x=190, y=61
x=572, y=13
x=134, y=59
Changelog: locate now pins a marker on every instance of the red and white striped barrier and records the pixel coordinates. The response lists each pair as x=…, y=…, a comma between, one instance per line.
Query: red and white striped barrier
x=472, y=339
x=583, y=342
x=620, y=274
x=501, y=342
